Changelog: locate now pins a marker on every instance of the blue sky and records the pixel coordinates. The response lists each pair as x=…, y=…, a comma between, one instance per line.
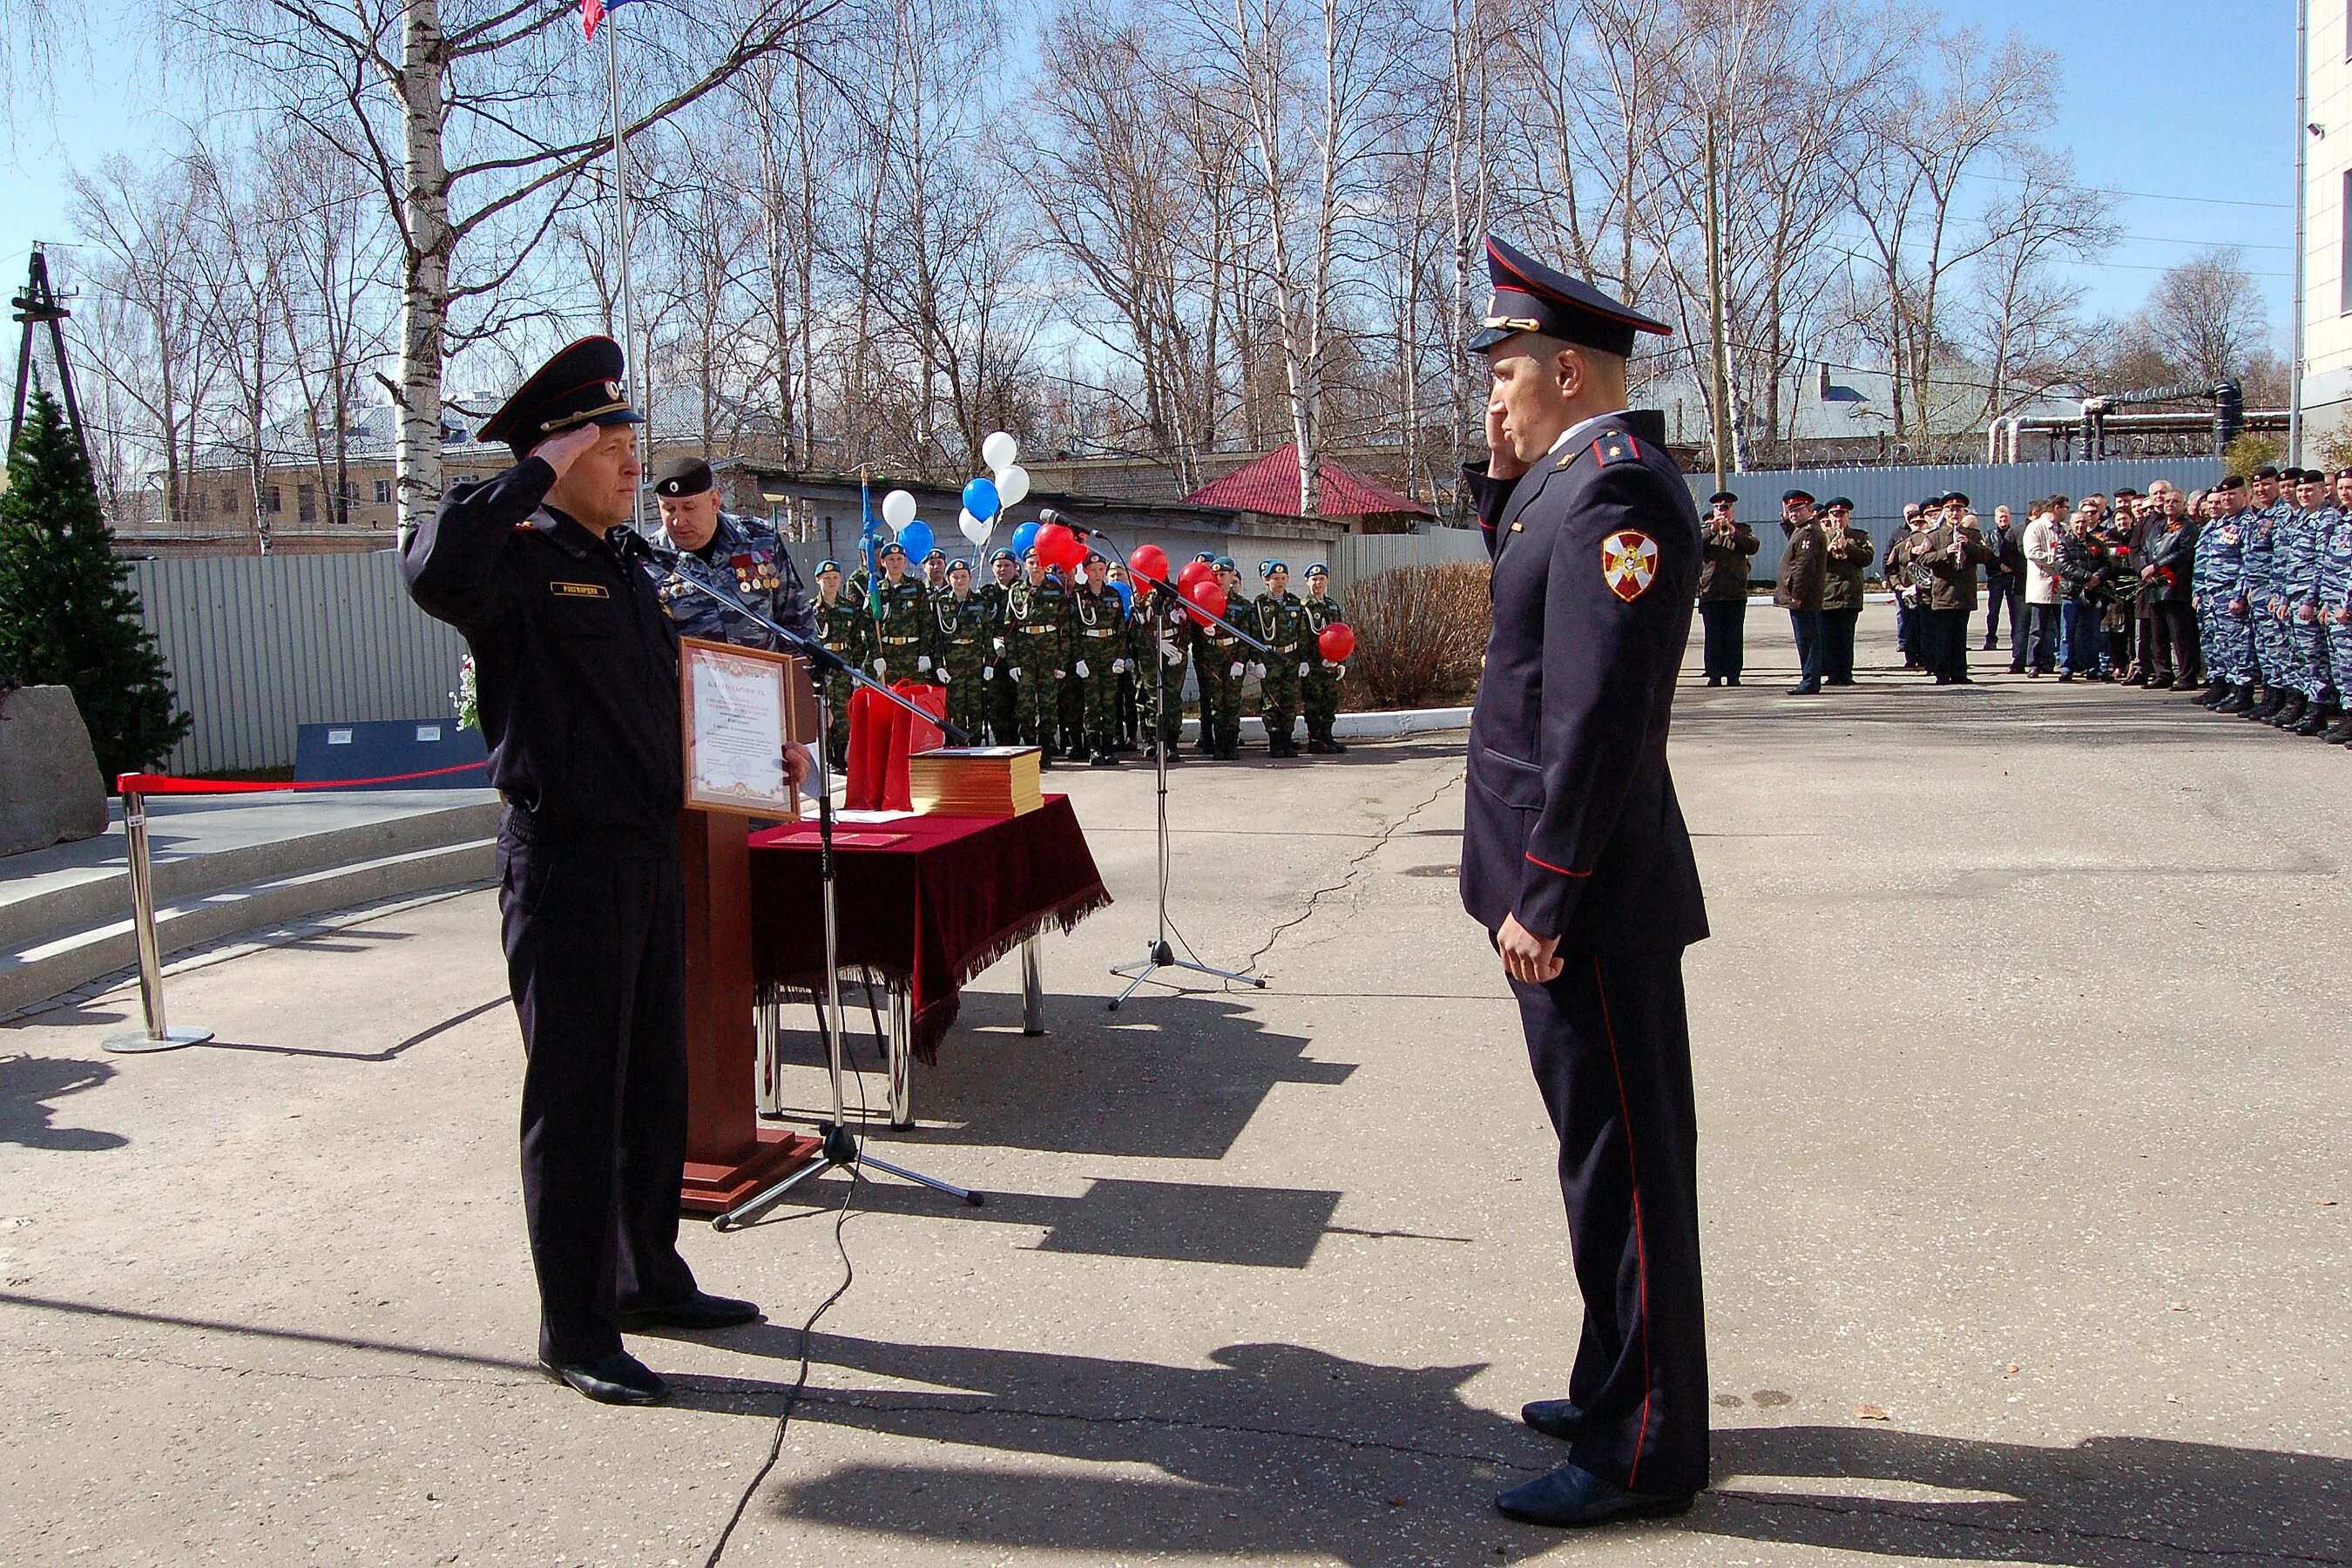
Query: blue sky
x=2188, y=104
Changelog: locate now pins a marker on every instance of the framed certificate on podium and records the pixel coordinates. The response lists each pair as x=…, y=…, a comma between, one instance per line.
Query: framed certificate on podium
x=739, y=713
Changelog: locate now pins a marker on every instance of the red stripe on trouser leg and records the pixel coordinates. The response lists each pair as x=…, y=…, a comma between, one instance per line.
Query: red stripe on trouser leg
x=1641, y=1250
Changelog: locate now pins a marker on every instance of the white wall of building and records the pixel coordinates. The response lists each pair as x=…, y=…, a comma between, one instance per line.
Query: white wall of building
x=2327, y=217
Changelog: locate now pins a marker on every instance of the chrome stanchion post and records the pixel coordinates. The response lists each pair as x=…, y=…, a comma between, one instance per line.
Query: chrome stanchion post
x=902, y=1058
x=769, y=1017
x=158, y=1035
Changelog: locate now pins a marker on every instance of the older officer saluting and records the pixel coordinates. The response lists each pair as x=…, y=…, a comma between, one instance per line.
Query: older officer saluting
x=740, y=556
x=578, y=667
x=1575, y=859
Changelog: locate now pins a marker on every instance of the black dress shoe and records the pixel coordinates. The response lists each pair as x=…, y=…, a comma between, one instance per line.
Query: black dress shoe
x=617, y=1378
x=1804, y=691
x=700, y=1310
x=1569, y=1497
x=1554, y=1418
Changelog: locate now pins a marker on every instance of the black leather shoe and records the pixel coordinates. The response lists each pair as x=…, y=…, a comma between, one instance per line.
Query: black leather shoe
x=1569, y=1497
x=1554, y=1418
x=2240, y=698
x=617, y=1378
x=1803, y=690
x=700, y=1310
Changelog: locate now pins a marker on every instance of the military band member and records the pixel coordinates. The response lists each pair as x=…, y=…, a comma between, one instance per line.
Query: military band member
x=847, y=634
x=1321, y=694
x=1281, y=624
x=1848, y=550
x=1037, y=641
x=1803, y=578
x=1098, y=657
x=1159, y=635
x=740, y=556
x=1951, y=553
x=898, y=608
x=1729, y=545
x=578, y=665
x=1576, y=861
x=962, y=634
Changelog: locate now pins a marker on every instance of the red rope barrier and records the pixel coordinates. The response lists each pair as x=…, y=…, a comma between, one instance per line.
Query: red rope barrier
x=164, y=784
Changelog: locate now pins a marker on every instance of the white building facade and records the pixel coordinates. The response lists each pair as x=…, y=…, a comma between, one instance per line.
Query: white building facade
x=2325, y=349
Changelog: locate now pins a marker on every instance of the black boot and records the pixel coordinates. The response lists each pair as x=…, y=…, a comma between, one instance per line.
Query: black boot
x=2289, y=712
x=1331, y=741
x=2240, y=700
x=2214, y=695
x=1317, y=745
x=2341, y=733
x=2267, y=705
x=2316, y=720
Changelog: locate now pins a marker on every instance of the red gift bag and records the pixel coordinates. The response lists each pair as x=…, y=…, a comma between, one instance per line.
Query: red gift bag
x=882, y=736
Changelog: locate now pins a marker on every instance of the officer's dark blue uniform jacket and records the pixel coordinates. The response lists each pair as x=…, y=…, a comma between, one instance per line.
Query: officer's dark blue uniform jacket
x=1571, y=822
x=574, y=660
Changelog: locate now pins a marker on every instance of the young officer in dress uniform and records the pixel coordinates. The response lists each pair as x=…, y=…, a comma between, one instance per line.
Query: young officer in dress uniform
x=899, y=609
x=578, y=665
x=961, y=630
x=1321, y=692
x=1282, y=626
x=1575, y=858
x=1037, y=642
x=1219, y=661
x=847, y=633
x=1098, y=657
x=996, y=671
x=1157, y=634
x=740, y=556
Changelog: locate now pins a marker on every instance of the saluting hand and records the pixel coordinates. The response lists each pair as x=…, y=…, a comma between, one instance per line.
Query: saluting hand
x=558, y=450
x=1526, y=956
x=1502, y=462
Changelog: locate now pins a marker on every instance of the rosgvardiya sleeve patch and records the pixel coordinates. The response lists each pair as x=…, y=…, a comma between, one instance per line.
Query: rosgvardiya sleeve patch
x=1629, y=562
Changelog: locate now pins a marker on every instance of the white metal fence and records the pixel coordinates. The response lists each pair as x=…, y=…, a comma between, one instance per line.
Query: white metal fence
x=258, y=645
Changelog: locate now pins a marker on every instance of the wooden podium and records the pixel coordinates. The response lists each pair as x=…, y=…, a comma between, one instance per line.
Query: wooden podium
x=728, y=1156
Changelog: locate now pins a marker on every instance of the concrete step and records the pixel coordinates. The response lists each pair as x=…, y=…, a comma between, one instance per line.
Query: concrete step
x=57, y=963
x=54, y=893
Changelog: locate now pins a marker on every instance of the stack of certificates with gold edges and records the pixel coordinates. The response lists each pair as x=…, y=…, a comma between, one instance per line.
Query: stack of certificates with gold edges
x=974, y=781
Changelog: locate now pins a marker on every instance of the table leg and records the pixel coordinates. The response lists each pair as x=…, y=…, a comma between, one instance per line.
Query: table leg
x=768, y=1021
x=1033, y=990
x=902, y=1058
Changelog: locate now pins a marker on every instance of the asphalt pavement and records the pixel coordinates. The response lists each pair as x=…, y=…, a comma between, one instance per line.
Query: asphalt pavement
x=2021, y=1065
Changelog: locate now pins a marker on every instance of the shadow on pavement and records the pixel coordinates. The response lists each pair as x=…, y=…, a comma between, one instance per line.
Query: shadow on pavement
x=26, y=1086
x=1285, y=1449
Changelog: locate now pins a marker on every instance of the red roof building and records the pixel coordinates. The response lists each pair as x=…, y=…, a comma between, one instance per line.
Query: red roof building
x=1268, y=486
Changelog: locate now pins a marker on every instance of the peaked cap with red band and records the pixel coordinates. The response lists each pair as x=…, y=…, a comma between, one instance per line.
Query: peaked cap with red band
x=1531, y=297
x=581, y=384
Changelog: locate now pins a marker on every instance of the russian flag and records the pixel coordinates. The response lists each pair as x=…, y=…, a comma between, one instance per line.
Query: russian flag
x=592, y=13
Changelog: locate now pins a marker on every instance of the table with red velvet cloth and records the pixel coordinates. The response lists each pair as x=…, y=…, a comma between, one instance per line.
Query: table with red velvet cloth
x=928, y=911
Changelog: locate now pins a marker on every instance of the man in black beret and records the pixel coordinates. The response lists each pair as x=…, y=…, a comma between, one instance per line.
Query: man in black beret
x=740, y=556
x=1576, y=862
x=578, y=667
x=1727, y=545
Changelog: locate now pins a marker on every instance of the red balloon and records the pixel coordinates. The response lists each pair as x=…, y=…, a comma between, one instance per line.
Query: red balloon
x=1207, y=594
x=1149, y=563
x=1196, y=572
x=1337, y=642
x=1057, y=546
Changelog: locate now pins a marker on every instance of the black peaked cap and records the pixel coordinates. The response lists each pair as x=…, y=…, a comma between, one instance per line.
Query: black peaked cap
x=583, y=384
x=1532, y=297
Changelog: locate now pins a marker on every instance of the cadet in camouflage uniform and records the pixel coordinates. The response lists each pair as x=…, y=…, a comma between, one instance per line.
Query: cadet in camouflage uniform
x=1219, y=661
x=996, y=672
x=1157, y=632
x=1281, y=624
x=1037, y=645
x=935, y=572
x=901, y=610
x=1098, y=657
x=740, y=556
x=961, y=635
x=1321, y=692
x=843, y=628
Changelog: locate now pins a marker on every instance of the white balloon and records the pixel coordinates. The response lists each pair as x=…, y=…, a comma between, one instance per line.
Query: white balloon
x=999, y=450
x=973, y=529
x=897, y=510
x=1012, y=483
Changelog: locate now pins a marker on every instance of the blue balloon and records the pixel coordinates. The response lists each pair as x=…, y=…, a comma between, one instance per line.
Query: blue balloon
x=1125, y=593
x=1023, y=537
x=980, y=500
x=917, y=541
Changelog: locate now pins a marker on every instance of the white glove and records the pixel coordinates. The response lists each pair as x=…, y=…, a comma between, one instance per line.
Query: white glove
x=881, y=667
x=999, y=645
x=1302, y=667
x=1339, y=672
x=1237, y=670
x=1119, y=666
x=924, y=662
x=988, y=672
x=1083, y=672
x=1170, y=652
x=1060, y=673
x=1258, y=670
x=1016, y=674
x=944, y=674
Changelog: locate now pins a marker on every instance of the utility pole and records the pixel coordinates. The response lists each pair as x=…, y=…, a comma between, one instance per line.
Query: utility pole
x=38, y=306
x=1720, y=422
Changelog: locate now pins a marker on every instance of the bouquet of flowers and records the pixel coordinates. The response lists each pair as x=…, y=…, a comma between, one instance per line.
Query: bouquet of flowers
x=469, y=714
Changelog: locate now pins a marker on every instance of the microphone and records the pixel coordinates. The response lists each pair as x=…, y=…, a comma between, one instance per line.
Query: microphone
x=1047, y=514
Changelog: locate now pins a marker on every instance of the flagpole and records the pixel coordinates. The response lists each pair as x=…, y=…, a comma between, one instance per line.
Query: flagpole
x=639, y=383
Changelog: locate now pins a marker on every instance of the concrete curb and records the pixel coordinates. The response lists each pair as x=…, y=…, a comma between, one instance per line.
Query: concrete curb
x=1383, y=726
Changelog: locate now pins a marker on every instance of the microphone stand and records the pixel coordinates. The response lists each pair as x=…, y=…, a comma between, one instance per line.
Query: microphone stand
x=1157, y=954
x=841, y=1147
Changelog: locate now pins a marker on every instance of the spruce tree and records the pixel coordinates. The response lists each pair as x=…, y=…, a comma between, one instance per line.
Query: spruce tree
x=68, y=615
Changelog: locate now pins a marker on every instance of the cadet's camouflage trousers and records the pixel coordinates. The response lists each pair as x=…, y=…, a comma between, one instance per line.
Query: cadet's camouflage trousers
x=967, y=693
x=1003, y=703
x=1278, y=696
x=1098, y=694
x=1320, y=691
x=1038, y=708
x=1220, y=699
x=1148, y=676
x=837, y=690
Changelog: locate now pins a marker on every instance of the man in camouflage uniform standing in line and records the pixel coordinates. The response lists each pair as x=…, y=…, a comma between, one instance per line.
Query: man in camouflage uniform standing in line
x=842, y=628
x=1218, y=660
x=1323, y=676
x=1037, y=639
x=960, y=634
x=996, y=670
x=1282, y=626
x=1098, y=657
x=1159, y=631
x=900, y=608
